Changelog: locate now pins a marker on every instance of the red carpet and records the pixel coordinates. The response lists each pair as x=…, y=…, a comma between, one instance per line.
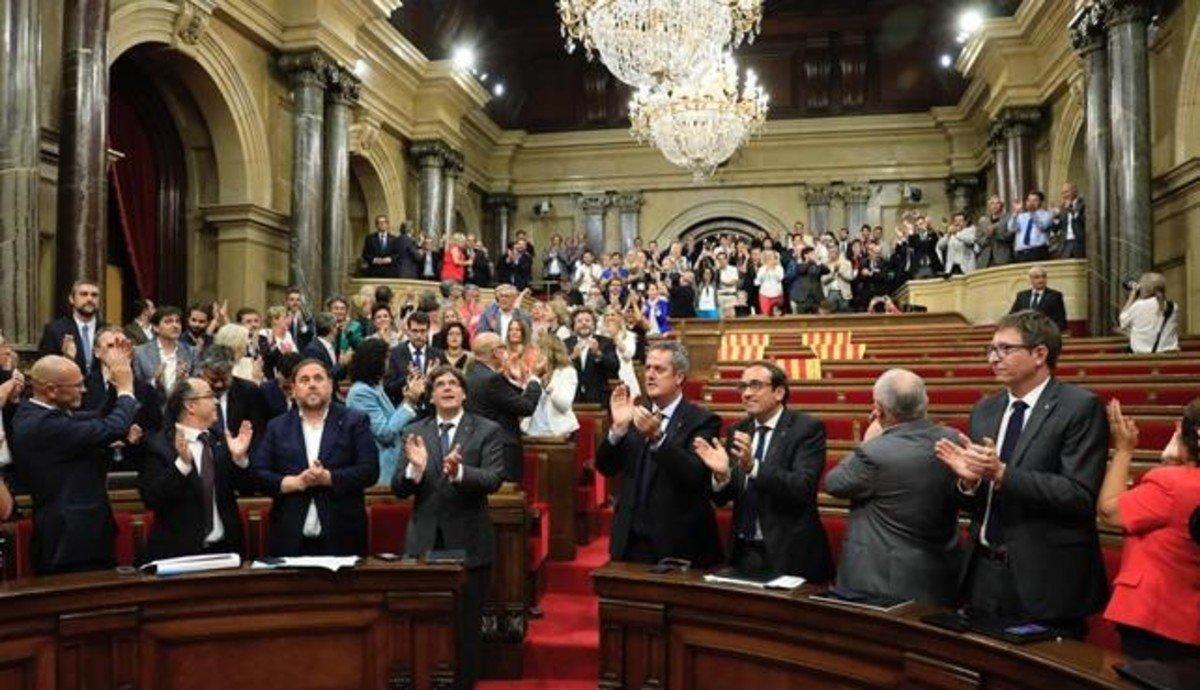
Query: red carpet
x=561, y=647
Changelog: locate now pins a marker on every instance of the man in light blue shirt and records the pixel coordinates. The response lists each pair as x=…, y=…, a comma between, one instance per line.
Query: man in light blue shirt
x=1030, y=225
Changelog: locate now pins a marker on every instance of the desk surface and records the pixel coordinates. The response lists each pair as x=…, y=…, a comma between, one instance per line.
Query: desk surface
x=680, y=632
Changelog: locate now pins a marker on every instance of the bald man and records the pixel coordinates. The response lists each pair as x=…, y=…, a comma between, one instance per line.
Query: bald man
x=60, y=455
x=503, y=391
x=902, y=536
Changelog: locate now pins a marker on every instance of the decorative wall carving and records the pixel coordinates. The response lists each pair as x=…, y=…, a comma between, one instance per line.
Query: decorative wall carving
x=193, y=19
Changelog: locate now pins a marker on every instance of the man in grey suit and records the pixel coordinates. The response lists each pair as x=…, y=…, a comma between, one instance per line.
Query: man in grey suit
x=902, y=537
x=1029, y=475
x=1070, y=219
x=994, y=237
x=452, y=461
x=165, y=359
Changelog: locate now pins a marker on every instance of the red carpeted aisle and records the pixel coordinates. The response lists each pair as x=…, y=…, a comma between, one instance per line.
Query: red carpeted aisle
x=561, y=647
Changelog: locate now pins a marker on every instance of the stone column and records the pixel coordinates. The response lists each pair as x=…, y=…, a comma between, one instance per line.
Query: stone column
x=431, y=156
x=594, y=207
x=19, y=146
x=81, y=242
x=1020, y=126
x=962, y=193
x=341, y=95
x=307, y=71
x=818, y=199
x=1129, y=108
x=856, y=200
x=450, y=172
x=999, y=149
x=499, y=209
x=1089, y=39
x=629, y=204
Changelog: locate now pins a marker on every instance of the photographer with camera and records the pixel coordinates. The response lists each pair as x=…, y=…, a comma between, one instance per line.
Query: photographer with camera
x=1150, y=319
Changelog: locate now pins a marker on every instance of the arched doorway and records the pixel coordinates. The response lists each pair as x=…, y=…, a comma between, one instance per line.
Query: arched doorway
x=739, y=228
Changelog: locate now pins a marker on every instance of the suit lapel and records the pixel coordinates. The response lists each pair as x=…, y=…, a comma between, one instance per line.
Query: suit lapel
x=1037, y=417
x=993, y=414
x=333, y=425
x=778, y=438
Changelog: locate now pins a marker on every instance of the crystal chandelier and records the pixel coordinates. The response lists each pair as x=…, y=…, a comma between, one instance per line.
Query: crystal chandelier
x=643, y=42
x=700, y=122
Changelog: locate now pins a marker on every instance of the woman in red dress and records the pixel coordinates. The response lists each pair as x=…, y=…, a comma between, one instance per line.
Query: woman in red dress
x=455, y=259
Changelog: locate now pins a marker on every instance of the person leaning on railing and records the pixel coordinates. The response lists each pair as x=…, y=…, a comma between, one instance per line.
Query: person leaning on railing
x=1155, y=601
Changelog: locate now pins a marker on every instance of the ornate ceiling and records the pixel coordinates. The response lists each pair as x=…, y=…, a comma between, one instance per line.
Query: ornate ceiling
x=815, y=57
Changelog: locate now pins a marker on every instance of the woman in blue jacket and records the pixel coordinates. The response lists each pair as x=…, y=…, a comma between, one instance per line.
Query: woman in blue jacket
x=367, y=370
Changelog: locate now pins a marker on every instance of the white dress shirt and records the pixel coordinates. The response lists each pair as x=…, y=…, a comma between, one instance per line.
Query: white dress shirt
x=1031, y=400
x=666, y=412
x=196, y=449
x=772, y=424
x=456, y=421
x=312, y=448
x=170, y=365
x=5, y=454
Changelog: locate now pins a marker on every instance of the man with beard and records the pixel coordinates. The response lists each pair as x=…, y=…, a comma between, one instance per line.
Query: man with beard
x=302, y=327
x=594, y=357
x=237, y=400
x=74, y=335
x=165, y=359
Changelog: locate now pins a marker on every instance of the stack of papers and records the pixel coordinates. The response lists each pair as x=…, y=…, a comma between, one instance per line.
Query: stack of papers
x=330, y=563
x=728, y=576
x=193, y=564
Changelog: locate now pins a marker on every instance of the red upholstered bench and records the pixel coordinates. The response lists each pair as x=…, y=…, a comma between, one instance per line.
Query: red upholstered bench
x=387, y=525
x=539, y=538
x=835, y=532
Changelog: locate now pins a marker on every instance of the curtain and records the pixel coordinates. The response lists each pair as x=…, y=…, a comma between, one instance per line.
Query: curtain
x=133, y=181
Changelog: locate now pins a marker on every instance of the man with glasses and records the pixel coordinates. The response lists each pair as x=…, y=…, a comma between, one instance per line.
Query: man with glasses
x=192, y=477
x=1029, y=475
x=59, y=454
x=777, y=457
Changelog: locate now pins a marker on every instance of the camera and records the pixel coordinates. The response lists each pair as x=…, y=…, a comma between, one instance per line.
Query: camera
x=1131, y=284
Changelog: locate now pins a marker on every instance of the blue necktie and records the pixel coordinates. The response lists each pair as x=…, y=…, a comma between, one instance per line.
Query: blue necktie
x=417, y=360
x=747, y=527
x=85, y=334
x=1028, y=230
x=994, y=529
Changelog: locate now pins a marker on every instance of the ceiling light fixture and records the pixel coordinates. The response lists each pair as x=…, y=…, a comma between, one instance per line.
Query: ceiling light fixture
x=947, y=61
x=970, y=21
x=464, y=58
x=498, y=89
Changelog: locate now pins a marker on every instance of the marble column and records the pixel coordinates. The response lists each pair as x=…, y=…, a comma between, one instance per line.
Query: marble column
x=19, y=145
x=962, y=192
x=1020, y=127
x=818, y=199
x=1089, y=39
x=341, y=95
x=999, y=147
x=452, y=169
x=856, y=200
x=594, y=207
x=1127, y=22
x=431, y=156
x=629, y=206
x=498, y=209
x=307, y=72
x=82, y=204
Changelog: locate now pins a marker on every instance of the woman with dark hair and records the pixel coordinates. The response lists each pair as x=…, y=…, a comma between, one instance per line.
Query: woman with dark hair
x=385, y=326
x=367, y=369
x=1155, y=601
x=456, y=347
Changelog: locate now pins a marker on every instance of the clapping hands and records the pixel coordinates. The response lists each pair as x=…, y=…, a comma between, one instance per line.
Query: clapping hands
x=713, y=454
x=239, y=446
x=970, y=461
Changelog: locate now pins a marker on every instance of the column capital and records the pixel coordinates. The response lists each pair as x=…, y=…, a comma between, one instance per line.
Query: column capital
x=1088, y=27
x=628, y=201
x=306, y=67
x=341, y=86
x=364, y=134
x=1020, y=120
x=452, y=164
x=1124, y=11
x=431, y=153
x=818, y=196
x=500, y=199
x=594, y=204
x=857, y=194
x=995, y=138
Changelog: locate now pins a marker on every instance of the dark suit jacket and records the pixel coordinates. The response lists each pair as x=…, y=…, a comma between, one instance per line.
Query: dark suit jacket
x=276, y=401
x=409, y=257
x=101, y=398
x=348, y=451
x=786, y=487
x=677, y=516
x=52, y=337
x=59, y=457
x=374, y=249
x=178, y=503
x=1049, y=499
x=245, y=402
x=399, y=362
x=456, y=510
x=493, y=397
x=135, y=334
x=1076, y=216
x=1051, y=305
x=520, y=272
x=594, y=375
x=315, y=350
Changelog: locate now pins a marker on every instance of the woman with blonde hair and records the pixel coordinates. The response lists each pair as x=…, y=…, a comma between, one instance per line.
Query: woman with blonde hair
x=1150, y=319
x=519, y=342
x=625, y=342
x=236, y=337
x=554, y=415
x=471, y=309
x=360, y=324
x=455, y=260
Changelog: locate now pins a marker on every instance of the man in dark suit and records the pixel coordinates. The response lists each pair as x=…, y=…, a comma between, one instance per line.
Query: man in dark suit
x=408, y=254
x=778, y=457
x=519, y=264
x=323, y=346
x=1041, y=298
x=380, y=252
x=302, y=326
x=452, y=461
x=413, y=354
x=500, y=390
x=804, y=288
x=1070, y=221
x=902, y=536
x=1029, y=475
x=101, y=397
x=192, y=477
x=594, y=357
x=73, y=336
x=664, y=508
x=237, y=400
x=139, y=330
x=277, y=391
x=315, y=462
x=58, y=454
x=429, y=259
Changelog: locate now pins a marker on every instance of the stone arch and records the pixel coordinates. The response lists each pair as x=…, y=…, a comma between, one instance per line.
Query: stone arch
x=724, y=209
x=212, y=76
x=1065, y=139
x=379, y=161
x=1187, y=111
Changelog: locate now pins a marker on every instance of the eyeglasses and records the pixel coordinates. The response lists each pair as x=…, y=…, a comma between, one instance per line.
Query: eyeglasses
x=200, y=397
x=752, y=386
x=78, y=384
x=1003, y=350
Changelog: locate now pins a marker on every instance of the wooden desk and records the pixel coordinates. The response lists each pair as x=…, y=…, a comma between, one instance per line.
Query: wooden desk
x=379, y=626
x=674, y=631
